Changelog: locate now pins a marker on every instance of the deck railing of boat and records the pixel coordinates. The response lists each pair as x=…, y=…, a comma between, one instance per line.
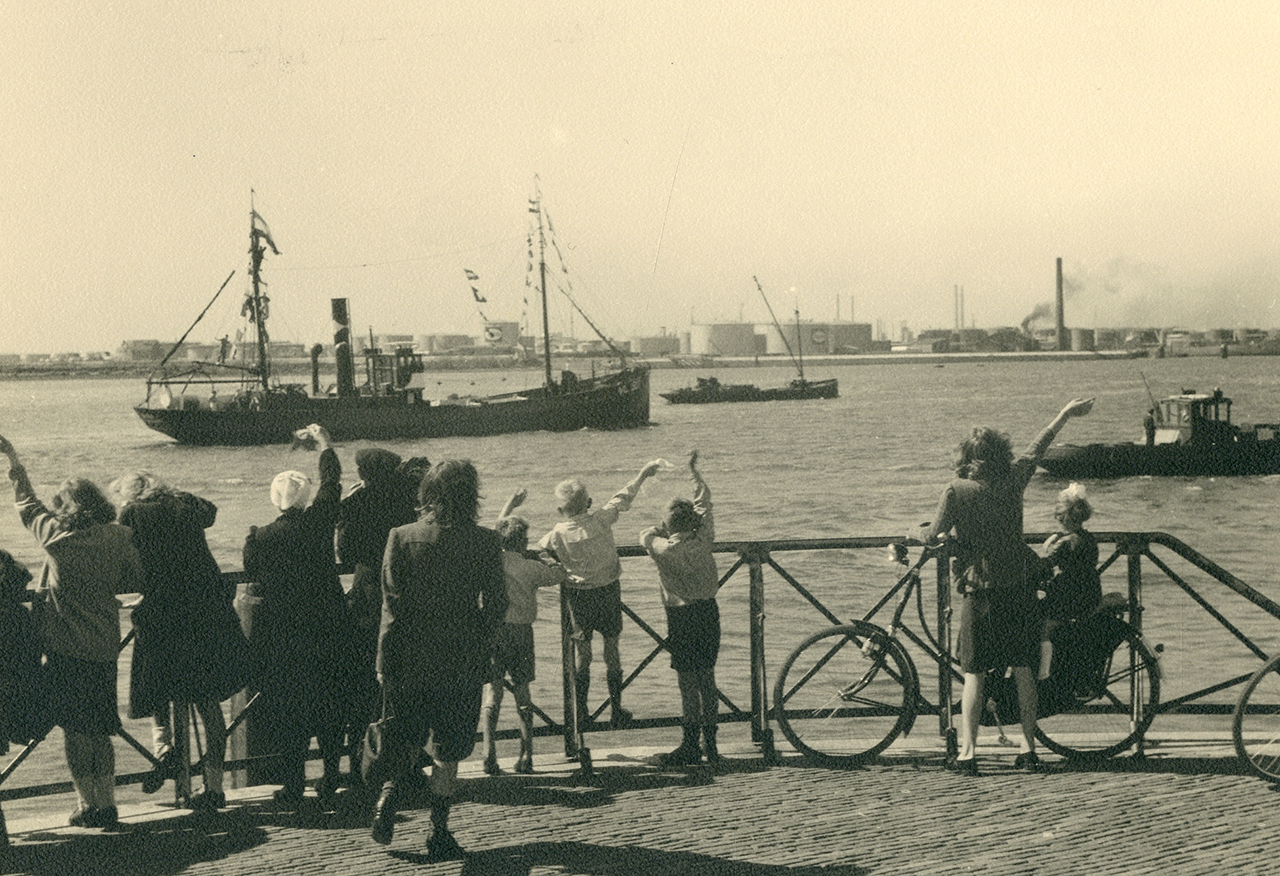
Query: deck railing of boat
x=763, y=575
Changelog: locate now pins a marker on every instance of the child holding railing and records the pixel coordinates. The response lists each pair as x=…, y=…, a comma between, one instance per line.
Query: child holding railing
x=1075, y=589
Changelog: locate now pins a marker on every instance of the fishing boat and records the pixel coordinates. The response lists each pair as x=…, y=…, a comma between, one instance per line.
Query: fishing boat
x=240, y=401
x=709, y=390
x=1189, y=435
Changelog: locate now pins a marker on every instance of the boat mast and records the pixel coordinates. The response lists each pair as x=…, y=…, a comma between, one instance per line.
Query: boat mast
x=536, y=207
x=781, y=333
x=799, y=347
x=256, y=253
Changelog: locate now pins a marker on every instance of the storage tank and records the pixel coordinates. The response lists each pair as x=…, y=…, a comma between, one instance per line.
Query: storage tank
x=1082, y=340
x=722, y=339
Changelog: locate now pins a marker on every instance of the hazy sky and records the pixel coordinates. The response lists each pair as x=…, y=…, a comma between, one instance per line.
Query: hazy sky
x=873, y=153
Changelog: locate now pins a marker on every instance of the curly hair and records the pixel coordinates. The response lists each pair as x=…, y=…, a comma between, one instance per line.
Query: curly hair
x=79, y=504
x=682, y=517
x=986, y=455
x=452, y=490
x=514, y=532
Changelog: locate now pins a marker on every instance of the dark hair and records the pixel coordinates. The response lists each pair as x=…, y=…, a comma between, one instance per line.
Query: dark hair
x=681, y=516
x=514, y=532
x=79, y=504
x=376, y=465
x=452, y=490
x=986, y=455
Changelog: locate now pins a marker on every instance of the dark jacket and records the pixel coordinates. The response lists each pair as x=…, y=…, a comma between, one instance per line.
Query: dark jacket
x=443, y=594
x=188, y=644
x=301, y=634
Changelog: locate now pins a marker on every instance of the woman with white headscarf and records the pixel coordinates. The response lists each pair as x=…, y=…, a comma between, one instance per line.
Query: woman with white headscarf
x=302, y=629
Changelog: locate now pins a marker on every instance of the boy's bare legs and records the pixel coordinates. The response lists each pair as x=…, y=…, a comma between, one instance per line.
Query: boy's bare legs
x=492, y=704
x=613, y=675
x=524, y=711
x=691, y=713
x=709, y=701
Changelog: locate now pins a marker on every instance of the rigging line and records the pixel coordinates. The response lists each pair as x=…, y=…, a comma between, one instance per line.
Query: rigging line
x=460, y=251
x=667, y=210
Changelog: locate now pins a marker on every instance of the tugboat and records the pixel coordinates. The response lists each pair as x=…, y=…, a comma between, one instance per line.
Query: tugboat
x=1187, y=435
x=238, y=401
x=710, y=389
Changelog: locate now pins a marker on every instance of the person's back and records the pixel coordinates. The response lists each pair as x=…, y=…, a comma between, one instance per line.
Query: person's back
x=435, y=580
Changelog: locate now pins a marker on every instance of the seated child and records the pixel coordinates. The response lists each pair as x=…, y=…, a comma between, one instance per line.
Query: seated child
x=681, y=547
x=513, y=641
x=1075, y=590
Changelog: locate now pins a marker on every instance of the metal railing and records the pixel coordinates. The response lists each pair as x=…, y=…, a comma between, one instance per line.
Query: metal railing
x=755, y=566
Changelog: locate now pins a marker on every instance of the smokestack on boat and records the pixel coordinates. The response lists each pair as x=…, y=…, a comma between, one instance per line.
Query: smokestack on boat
x=1064, y=342
x=343, y=356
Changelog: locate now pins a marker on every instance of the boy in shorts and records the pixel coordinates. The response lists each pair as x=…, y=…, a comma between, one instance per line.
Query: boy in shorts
x=513, y=641
x=583, y=543
x=681, y=547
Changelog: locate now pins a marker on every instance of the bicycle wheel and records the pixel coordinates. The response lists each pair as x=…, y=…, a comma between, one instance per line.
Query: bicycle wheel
x=1109, y=715
x=1256, y=725
x=845, y=694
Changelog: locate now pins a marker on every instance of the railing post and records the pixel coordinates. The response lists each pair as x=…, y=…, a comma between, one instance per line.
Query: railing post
x=946, y=728
x=1133, y=548
x=754, y=556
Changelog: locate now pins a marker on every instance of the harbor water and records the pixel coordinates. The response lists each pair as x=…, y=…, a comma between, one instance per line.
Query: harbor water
x=870, y=463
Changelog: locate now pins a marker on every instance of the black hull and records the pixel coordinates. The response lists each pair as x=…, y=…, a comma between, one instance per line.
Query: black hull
x=742, y=392
x=1162, y=460
x=617, y=401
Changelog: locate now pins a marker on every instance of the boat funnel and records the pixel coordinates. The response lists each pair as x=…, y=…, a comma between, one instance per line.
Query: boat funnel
x=343, y=356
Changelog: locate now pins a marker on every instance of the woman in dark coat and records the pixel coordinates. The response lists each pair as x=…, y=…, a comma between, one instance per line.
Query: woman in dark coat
x=443, y=596
x=302, y=631
x=386, y=497
x=188, y=646
x=1000, y=621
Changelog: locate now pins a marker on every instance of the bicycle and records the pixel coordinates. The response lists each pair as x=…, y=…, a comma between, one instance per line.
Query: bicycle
x=1255, y=729
x=846, y=693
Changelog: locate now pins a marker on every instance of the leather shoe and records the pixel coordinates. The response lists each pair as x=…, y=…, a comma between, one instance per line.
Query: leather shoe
x=1028, y=760
x=966, y=767
x=384, y=818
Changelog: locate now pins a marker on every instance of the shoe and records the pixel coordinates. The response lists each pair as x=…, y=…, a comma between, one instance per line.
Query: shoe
x=384, y=820
x=163, y=769
x=327, y=791
x=443, y=847
x=108, y=818
x=86, y=817
x=286, y=800
x=1028, y=760
x=491, y=767
x=524, y=765
x=687, y=754
x=208, y=801
x=966, y=767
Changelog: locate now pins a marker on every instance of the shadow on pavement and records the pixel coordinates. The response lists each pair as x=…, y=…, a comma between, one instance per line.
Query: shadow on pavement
x=157, y=848
x=598, y=860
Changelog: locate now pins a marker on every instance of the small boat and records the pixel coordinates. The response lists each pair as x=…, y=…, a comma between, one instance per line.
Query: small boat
x=710, y=390
x=1187, y=435
x=238, y=401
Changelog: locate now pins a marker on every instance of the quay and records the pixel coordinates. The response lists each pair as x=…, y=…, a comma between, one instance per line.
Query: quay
x=1187, y=807
x=1178, y=802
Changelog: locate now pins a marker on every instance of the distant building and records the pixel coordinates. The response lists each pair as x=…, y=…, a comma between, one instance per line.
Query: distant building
x=144, y=350
x=657, y=345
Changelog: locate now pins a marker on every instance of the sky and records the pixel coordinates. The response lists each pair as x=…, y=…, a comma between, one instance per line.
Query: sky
x=860, y=160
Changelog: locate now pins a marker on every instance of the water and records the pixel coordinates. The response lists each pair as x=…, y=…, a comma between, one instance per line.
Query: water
x=871, y=463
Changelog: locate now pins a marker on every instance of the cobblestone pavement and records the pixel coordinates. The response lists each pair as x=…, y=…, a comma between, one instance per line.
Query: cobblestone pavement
x=1186, y=810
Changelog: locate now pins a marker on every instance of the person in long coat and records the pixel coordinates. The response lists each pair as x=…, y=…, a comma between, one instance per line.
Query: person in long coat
x=188, y=646
x=385, y=497
x=443, y=597
x=302, y=630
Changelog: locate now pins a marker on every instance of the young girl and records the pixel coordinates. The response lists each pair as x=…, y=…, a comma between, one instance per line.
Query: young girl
x=1076, y=589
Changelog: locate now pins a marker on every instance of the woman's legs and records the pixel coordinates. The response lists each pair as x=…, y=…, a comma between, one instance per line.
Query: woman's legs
x=215, y=739
x=972, y=701
x=1028, y=705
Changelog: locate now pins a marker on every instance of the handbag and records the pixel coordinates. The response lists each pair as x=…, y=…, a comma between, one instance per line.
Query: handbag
x=377, y=747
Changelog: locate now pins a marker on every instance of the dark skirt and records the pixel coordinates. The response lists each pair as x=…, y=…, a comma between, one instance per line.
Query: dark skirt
x=82, y=695
x=998, y=628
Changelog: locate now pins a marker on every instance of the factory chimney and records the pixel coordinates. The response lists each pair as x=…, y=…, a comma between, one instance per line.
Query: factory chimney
x=1064, y=343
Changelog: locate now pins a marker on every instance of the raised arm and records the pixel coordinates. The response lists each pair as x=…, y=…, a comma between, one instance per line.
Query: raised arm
x=1077, y=407
x=516, y=500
